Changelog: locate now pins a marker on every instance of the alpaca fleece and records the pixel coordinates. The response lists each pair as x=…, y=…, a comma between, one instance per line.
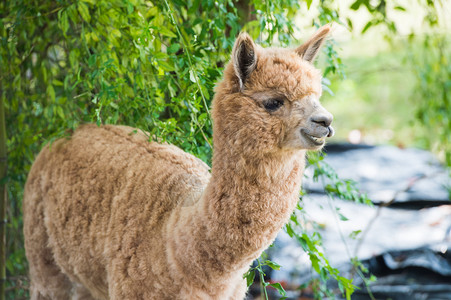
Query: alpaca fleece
x=110, y=215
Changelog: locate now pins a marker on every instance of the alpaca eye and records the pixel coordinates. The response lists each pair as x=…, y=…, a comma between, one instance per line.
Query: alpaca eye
x=273, y=104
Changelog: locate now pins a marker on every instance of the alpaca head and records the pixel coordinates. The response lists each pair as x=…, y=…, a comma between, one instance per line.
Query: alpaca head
x=269, y=99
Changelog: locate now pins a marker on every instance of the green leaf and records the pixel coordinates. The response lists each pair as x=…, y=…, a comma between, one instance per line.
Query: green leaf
x=51, y=92
x=160, y=55
x=60, y=112
x=356, y=5
x=342, y=217
x=289, y=230
x=323, y=274
x=250, y=276
x=130, y=7
x=354, y=234
x=192, y=76
x=166, y=66
x=92, y=60
x=309, y=2
x=72, y=13
x=279, y=288
x=57, y=82
x=166, y=32
x=174, y=48
x=203, y=117
x=64, y=22
x=367, y=26
x=84, y=11
x=272, y=265
x=349, y=22
x=315, y=263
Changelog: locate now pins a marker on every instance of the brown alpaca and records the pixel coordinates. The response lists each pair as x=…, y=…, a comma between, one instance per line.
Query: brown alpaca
x=108, y=215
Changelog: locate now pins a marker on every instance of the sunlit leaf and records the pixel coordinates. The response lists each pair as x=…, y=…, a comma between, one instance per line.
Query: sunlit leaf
x=84, y=11
x=279, y=288
x=273, y=265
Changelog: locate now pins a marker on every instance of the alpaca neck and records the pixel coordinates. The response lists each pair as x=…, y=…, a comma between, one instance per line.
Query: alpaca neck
x=245, y=204
x=249, y=199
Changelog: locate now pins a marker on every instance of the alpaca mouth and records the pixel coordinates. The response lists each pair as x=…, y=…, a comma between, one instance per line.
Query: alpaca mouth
x=317, y=141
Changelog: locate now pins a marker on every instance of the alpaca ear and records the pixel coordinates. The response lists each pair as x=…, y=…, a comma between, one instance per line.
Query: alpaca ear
x=310, y=49
x=244, y=57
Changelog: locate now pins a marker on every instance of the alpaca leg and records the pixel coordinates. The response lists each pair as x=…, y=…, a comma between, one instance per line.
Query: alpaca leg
x=35, y=294
x=81, y=293
x=47, y=280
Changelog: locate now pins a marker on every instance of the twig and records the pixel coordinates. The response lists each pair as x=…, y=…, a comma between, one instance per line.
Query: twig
x=191, y=67
x=46, y=14
x=21, y=283
x=337, y=223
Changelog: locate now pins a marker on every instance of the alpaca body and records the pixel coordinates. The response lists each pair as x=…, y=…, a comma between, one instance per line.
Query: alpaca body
x=108, y=215
x=108, y=228
x=104, y=238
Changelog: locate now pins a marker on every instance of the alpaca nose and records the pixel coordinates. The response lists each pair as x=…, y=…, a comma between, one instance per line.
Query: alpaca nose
x=323, y=119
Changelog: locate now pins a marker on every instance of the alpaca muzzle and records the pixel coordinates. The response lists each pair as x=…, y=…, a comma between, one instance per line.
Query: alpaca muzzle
x=321, y=123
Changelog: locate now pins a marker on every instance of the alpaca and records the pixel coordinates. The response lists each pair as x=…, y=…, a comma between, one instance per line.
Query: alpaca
x=110, y=215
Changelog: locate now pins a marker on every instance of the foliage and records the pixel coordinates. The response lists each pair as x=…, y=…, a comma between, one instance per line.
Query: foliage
x=312, y=244
x=428, y=56
x=259, y=269
x=337, y=188
x=273, y=19
x=432, y=67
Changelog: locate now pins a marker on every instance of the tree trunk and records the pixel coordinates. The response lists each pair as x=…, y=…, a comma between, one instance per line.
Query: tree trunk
x=3, y=166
